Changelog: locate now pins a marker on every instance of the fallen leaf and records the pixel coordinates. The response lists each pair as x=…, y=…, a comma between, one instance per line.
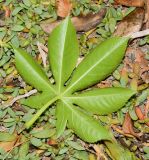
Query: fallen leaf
x=81, y=23
x=139, y=113
x=7, y=146
x=147, y=14
x=133, y=3
x=147, y=111
x=63, y=8
x=99, y=149
x=128, y=126
x=131, y=23
x=52, y=142
x=137, y=64
x=7, y=11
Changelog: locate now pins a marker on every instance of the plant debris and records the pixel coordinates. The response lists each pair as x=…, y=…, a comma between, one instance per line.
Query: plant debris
x=81, y=23
x=63, y=8
x=133, y=3
x=131, y=23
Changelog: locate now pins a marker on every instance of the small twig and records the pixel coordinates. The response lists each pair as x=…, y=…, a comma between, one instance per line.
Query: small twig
x=139, y=34
x=20, y=97
x=42, y=49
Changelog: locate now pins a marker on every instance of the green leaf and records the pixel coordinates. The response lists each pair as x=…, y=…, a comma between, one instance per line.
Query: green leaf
x=31, y=71
x=27, y=3
x=119, y=153
x=63, y=52
x=17, y=28
x=102, y=101
x=61, y=116
x=16, y=10
x=36, y=142
x=85, y=126
x=98, y=64
x=75, y=145
x=23, y=150
x=38, y=100
x=6, y=137
x=43, y=133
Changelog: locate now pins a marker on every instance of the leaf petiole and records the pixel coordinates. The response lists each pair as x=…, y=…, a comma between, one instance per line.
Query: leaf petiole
x=39, y=112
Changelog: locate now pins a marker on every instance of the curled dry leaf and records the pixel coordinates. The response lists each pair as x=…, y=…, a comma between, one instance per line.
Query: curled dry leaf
x=128, y=126
x=133, y=3
x=81, y=23
x=137, y=65
x=131, y=23
x=63, y=8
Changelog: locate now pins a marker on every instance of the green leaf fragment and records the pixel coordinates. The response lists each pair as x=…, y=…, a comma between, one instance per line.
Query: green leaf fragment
x=43, y=133
x=36, y=142
x=6, y=137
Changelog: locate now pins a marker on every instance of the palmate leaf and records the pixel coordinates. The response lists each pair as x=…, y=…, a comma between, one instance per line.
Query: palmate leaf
x=72, y=108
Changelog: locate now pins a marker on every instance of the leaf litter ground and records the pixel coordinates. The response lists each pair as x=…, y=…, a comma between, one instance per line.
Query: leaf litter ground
x=40, y=143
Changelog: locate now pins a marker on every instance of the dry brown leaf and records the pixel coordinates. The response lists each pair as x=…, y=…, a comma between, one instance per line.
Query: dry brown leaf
x=52, y=142
x=133, y=3
x=63, y=8
x=128, y=126
x=131, y=23
x=138, y=65
x=7, y=146
x=147, y=14
x=81, y=23
x=7, y=11
x=140, y=114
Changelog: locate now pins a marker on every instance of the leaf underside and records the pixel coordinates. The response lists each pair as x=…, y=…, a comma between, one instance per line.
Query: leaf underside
x=73, y=108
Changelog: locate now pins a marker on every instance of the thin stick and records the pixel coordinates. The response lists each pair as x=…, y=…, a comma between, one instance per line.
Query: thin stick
x=138, y=34
x=20, y=97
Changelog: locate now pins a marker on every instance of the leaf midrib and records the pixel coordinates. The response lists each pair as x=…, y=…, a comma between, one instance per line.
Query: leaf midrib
x=87, y=96
x=62, y=55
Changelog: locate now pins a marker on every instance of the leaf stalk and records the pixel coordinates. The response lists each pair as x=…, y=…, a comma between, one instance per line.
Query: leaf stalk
x=39, y=112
